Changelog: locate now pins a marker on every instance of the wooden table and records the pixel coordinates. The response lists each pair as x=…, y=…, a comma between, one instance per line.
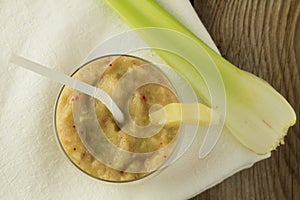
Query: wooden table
x=262, y=37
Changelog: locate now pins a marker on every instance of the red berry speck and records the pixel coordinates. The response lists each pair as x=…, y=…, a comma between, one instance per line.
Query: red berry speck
x=103, y=120
x=143, y=98
x=75, y=98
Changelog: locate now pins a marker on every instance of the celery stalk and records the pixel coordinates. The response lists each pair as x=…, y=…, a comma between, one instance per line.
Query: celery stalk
x=256, y=114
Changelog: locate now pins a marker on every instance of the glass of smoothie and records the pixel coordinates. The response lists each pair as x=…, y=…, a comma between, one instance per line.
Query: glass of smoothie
x=123, y=152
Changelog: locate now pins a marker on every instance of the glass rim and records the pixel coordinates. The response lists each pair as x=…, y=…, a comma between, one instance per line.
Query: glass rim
x=148, y=175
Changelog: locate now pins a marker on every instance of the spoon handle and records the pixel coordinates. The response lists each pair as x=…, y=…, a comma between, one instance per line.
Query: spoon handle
x=71, y=82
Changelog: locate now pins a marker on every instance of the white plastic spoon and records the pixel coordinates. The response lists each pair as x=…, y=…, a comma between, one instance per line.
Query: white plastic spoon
x=172, y=113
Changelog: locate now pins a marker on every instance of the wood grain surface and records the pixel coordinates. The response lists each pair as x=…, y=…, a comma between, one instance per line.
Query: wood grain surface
x=262, y=37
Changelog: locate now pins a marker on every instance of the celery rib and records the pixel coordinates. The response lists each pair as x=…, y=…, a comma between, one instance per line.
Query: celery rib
x=257, y=115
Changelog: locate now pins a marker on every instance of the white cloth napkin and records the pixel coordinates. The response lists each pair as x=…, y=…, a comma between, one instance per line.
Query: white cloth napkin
x=60, y=34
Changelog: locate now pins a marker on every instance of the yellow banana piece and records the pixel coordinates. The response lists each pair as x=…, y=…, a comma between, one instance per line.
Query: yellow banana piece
x=188, y=113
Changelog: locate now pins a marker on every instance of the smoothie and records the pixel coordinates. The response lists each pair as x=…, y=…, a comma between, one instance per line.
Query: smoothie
x=139, y=104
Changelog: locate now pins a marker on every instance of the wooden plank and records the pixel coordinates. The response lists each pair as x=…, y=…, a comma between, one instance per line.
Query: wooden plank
x=262, y=37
